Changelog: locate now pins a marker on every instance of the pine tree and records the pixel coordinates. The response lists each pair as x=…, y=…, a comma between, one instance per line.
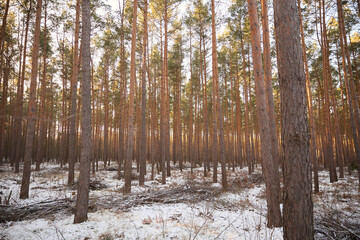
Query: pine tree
x=298, y=207
x=74, y=80
x=217, y=102
x=143, y=101
x=270, y=170
x=25, y=183
x=82, y=200
x=130, y=138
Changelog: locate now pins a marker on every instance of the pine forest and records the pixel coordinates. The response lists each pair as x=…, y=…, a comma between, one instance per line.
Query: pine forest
x=179, y=119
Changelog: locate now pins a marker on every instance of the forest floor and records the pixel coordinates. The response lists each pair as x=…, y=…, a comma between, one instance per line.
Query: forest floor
x=189, y=206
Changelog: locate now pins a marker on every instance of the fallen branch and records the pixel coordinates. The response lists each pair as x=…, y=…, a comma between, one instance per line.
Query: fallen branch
x=182, y=194
x=333, y=227
x=36, y=210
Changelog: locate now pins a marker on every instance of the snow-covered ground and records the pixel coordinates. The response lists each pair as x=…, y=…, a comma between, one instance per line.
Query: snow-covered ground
x=239, y=213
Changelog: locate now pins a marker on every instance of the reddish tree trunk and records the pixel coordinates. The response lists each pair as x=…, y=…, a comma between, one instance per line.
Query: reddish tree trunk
x=130, y=137
x=143, y=103
x=269, y=169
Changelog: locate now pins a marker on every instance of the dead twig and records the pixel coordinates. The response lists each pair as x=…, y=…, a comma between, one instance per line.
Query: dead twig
x=181, y=194
x=337, y=227
x=35, y=210
x=229, y=225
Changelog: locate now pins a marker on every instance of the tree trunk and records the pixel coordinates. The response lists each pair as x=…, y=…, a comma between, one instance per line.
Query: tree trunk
x=122, y=92
x=238, y=118
x=3, y=113
x=329, y=150
x=130, y=137
x=42, y=117
x=167, y=102
x=14, y=113
x=190, y=124
x=24, y=192
x=74, y=80
x=86, y=142
x=143, y=102
x=205, y=113
x=20, y=97
x=246, y=101
x=154, y=124
x=179, y=153
x=2, y=36
x=268, y=84
x=269, y=169
x=350, y=94
x=216, y=90
x=163, y=114
x=298, y=207
x=314, y=159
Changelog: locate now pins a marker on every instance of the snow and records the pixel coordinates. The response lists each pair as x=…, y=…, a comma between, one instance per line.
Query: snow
x=237, y=214
x=174, y=221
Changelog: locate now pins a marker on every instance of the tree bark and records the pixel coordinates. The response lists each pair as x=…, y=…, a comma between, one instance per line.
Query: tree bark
x=349, y=92
x=143, y=101
x=25, y=183
x=162, y=113
x=2, y=36
x=190, y=124
x=20, y=97
x=14, y=112
x=246, y=101
x=216, y=90
x=130, y=137
x=42, y=117
x=122, y=92
x=329, y=150
x=74, y=80
x=3, y=113
x=205, y=108
x=269, y=169
x=268, y=84
x=86, y=142
x=179, y=153
x=167, y=102
x=298, y=207
x=314, y=159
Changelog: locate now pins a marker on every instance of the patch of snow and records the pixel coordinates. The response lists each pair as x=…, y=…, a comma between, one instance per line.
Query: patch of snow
x=237, y=214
